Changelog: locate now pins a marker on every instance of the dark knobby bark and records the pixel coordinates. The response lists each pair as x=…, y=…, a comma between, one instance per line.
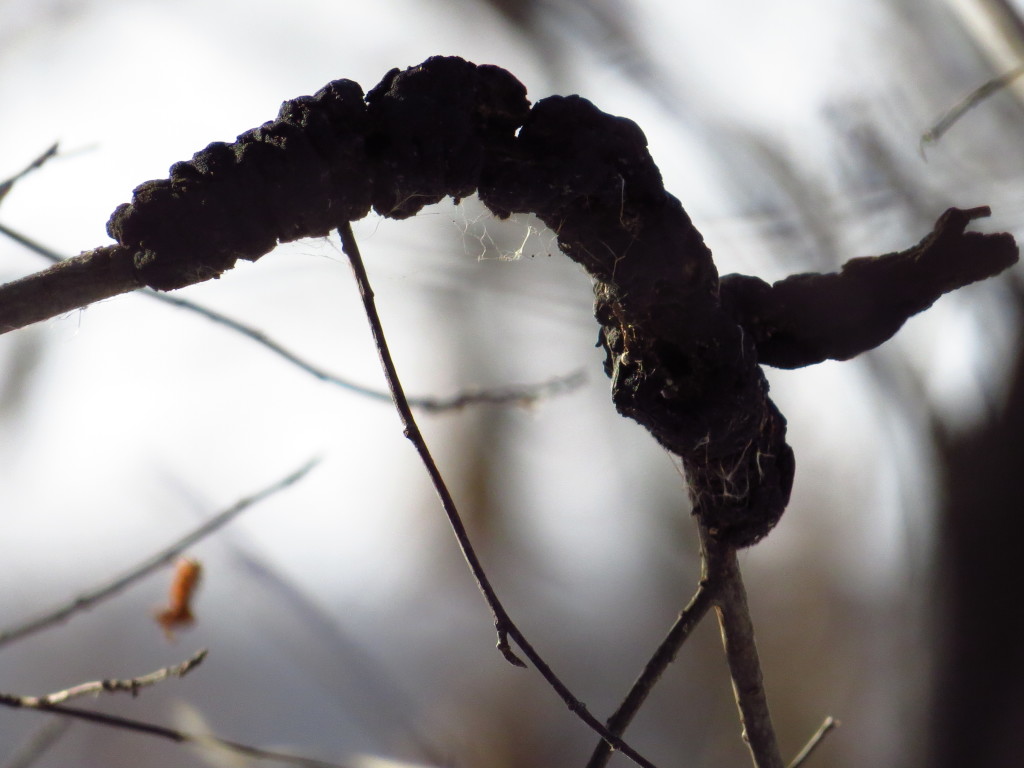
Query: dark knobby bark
x=417, y=137
x=806, y=319
x=683, y=349
x=679, y=364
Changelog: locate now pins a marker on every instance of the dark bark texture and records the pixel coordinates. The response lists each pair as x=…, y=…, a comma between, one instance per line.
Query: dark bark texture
x=683, y=349
x=977, y=710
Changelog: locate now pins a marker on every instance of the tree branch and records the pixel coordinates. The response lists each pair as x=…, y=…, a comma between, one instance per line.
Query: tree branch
x=741, y=652
x=808, y=318
x=163, y=732
x=682, y=348
x=969, y=102
x=522, y=394
x=503, y=623
x=8, y=184
x=666, y=653
x=93, y=276
x=131, y=685
x=829, y=725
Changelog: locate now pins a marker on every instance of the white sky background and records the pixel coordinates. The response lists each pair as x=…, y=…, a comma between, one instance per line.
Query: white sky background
x=142, y=419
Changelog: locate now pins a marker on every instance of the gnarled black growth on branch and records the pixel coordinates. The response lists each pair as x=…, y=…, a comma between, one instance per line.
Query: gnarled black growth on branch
x=416, y=138
x=679, y=364
x=683, y=349
x=806, y=319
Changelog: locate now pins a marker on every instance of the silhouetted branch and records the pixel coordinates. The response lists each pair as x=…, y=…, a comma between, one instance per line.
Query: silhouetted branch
x=88, y=599
x=522, y=394
x=689, y=618
x=829, y=724
x=503, y=623
x=741, y=652
x=78, y=282
x=54, y=703
x=683, y=350
x=163, y=732
x=806, y=319
x=721, y=585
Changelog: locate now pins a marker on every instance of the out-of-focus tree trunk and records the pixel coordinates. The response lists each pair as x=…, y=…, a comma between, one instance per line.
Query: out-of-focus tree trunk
x=977, y=709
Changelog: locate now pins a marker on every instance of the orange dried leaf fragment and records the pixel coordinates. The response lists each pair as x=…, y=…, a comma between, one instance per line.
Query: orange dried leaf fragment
x=178, y=612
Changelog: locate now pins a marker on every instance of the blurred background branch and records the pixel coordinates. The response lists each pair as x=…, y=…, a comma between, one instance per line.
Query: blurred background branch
x=169, y=553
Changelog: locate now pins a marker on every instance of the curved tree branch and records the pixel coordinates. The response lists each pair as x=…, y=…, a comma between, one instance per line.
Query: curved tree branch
x=806, y=319
x=683, y=350
x=665, y=654
x=515, y=394
x=503, y=624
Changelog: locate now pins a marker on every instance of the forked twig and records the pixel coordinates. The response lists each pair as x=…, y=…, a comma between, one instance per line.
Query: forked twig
x=741, y=652
x=91, y=597
x=503, y=624
x=522, y=394
x=829, y=725
x=689, y=618
x=161, y=731
x=721, y=585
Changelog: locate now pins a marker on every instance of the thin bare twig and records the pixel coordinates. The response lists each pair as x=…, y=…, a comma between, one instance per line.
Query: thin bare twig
x=829, y=725
x=38, y=743
x=161, y=731
x=666, y=653
x=91, y=597
x=973, y=99
x=503, y=624
x=8, y=184
x=522, y=394
x=131, y=685
x=741, y=652
x=54, y=703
